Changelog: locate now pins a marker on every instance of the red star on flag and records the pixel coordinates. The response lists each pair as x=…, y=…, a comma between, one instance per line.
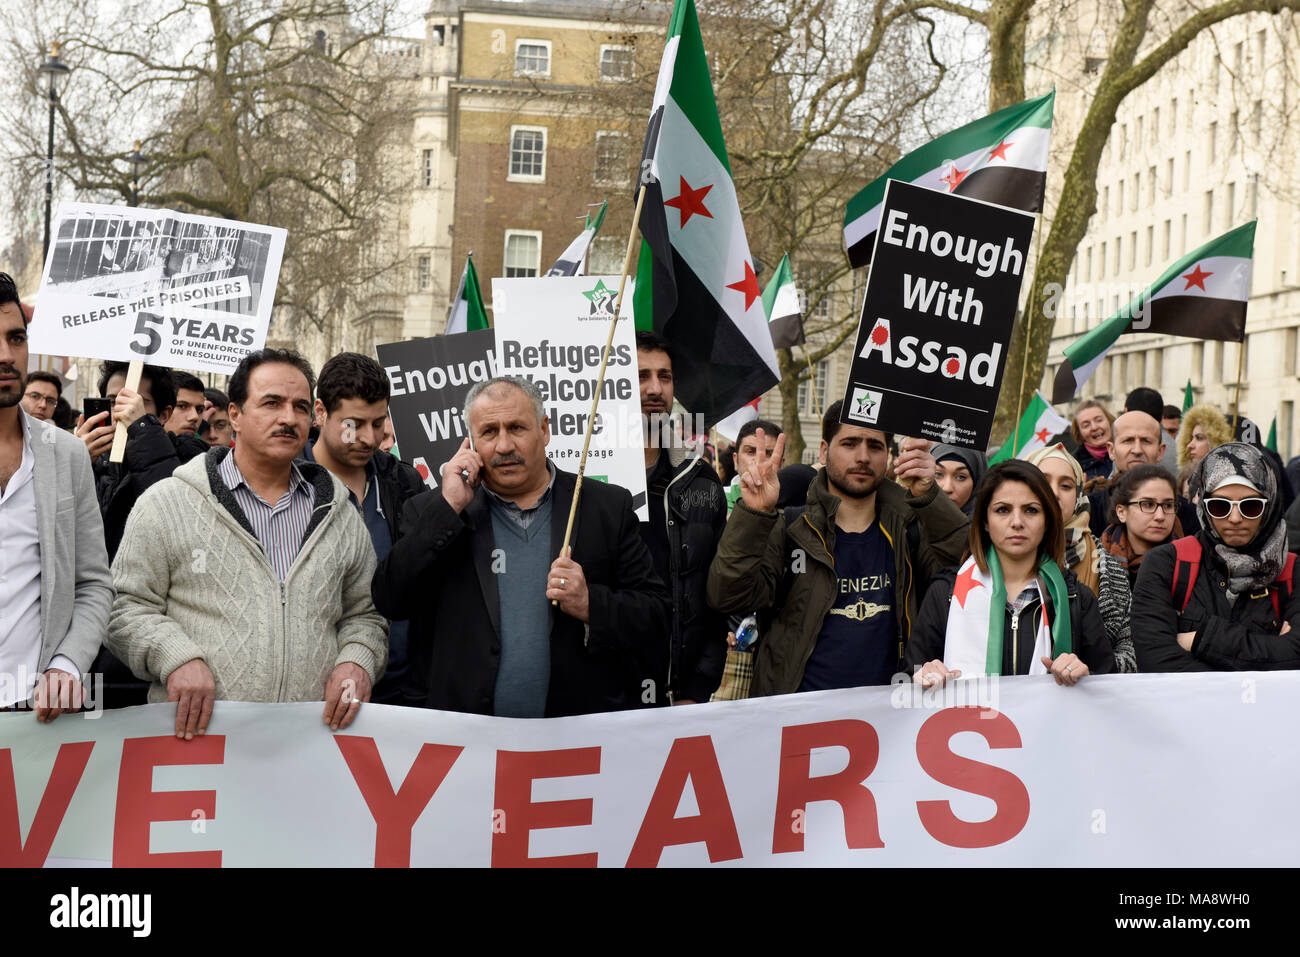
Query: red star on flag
x=954, y=177
x=690, y=202
x=965, y=582
x=1042, y=435
x=1000, y=151
x=748, y=285
x=1196, y=278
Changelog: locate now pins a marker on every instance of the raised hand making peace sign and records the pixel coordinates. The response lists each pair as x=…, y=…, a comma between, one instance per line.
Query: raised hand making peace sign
x=759, y=487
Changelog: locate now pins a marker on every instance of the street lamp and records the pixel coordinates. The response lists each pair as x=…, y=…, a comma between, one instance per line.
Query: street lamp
x=55, y=70
x=136, y=159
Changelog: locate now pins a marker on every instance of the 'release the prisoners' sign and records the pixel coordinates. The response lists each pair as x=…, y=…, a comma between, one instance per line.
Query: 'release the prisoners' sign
x=162, y=287
x=938, y=313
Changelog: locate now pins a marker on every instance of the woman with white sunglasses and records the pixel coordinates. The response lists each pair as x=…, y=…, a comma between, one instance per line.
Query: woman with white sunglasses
x=1227, y=598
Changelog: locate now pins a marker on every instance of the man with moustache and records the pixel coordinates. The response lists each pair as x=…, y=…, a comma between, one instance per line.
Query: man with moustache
x=246, y=575
x=55, y=589
x=838, y=580
x=501, y=623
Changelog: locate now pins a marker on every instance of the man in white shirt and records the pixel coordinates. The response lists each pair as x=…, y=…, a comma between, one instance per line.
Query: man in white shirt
x=55, y=587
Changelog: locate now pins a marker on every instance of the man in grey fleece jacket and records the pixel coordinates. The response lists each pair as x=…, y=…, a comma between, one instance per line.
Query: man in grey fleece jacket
x=246, y=576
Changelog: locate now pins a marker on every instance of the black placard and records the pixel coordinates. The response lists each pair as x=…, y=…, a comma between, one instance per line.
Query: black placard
x=429, y=379
x=938, y=313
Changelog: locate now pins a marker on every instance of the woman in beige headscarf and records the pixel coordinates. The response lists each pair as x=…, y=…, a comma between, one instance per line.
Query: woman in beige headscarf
x=1092, y=565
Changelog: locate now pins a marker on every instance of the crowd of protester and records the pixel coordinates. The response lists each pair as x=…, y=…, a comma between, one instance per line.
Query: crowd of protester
x=263, y=544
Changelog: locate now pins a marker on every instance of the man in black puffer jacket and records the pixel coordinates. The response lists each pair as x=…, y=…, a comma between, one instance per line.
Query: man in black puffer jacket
x=688, y=511
x=1237, y=614
x=151, y=455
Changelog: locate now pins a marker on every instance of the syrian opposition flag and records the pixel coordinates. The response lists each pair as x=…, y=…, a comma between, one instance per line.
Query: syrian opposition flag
x=573, y=261
x=729, y=427
x=696, y=284
x=781, y=303
x=1201, y=296
x=1189, y=399
x=1036, y=428
x=999, y=159
x=467, y=312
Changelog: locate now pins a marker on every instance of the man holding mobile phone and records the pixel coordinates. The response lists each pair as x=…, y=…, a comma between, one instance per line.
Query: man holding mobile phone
x=478, y=566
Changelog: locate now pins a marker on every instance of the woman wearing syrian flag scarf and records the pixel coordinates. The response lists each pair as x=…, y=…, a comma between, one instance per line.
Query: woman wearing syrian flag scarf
x=1012, y=607
x=1242, y=610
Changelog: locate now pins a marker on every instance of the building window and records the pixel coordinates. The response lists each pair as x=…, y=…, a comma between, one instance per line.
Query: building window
x=1151, y=186
x=523, y=253
x=527, y=154
x=1087, y=275
x=606, y=256
x=426, y=167
x=1151, y=243
x=1183, y=247
x=1155, y=127
x=1105, y=202
x=805, y=403
x=617, y=62
x=1119, y=198
x=1168, y=238
x=423, y=274
x=1169, y=177
x=1256, y=122
x=1101, y=264
x=1254, y=196
x=532, y=58
x=611, y=158
x=1232, y=205
x=1119, y=255
x=1214, y=140
x=1187, y=170
x=1173, y=116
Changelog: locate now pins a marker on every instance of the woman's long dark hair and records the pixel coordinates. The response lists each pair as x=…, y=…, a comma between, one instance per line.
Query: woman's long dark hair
x=1016, y=470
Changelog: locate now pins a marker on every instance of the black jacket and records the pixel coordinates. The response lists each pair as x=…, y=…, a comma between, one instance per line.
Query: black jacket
x=1093, y=468
x=397, y=481
x=1086, y=628
x=151, y=455
x=1240, y=636
x=694, y=515
x=440, y=575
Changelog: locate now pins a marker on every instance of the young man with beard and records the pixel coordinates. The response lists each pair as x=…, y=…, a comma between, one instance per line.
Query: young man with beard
x=55, y=588
x=839, y=580
x=688, y=509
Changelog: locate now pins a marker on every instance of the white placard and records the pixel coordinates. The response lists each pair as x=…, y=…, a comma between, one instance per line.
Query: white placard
x=191, y=292
x=553, y=330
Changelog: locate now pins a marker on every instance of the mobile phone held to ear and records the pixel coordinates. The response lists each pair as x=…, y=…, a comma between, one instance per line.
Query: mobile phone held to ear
x=92, y=407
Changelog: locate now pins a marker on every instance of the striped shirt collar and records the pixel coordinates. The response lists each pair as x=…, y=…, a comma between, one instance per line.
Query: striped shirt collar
x=233, y=478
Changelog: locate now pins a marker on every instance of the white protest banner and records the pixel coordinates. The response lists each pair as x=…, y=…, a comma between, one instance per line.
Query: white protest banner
x=157, y=286
x=553, y=330
x=1122, y=770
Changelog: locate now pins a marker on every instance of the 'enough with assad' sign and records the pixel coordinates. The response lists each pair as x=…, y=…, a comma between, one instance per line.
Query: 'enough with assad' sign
x=937, y=316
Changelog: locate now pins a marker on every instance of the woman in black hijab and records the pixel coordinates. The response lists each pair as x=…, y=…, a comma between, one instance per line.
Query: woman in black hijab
x=1227, y=598
x=958, y=471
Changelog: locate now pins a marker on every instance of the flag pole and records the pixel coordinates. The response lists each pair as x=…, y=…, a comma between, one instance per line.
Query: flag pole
x=1236, y=402
x=812, y=381
x=600, y=379
x=1029, y=323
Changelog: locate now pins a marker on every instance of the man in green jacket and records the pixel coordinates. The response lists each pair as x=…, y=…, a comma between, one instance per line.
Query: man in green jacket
x=839, y=582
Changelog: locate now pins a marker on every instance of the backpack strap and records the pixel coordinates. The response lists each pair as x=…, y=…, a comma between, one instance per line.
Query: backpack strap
x=1187, y=565
x=1280, y=591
